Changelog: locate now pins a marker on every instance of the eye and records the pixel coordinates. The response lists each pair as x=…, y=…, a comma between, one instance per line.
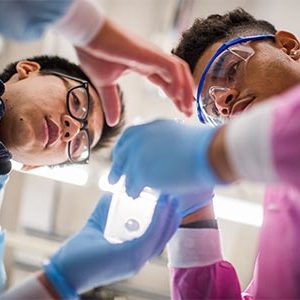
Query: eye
x=75, y=102
x=76, y=146
x=232, y=72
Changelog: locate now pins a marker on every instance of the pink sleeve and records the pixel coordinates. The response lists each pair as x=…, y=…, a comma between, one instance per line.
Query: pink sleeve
x=263, y=145
x=285, y=137
x=217, y=281
x=197, y=269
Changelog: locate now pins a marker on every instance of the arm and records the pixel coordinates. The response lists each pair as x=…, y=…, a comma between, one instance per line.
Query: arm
x=260, y=145
x=105, y=50
x=197, y=268
x=265, y=139
x=36, y=287
x=88, y=260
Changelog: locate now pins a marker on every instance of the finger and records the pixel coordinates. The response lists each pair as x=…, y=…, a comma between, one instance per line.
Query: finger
x=177, y=79
x=115, y=173
x=177, y=89
x=120, y=155
x=133, y=189
x=118, y=163
x=111, y=104
x=183, y=85
x=130, y=132
x=99, y=215
x=188, y=88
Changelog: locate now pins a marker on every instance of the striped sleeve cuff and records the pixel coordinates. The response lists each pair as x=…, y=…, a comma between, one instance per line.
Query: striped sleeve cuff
x=192, y=247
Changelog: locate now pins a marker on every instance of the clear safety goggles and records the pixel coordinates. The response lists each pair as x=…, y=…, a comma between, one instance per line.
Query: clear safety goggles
x=224, y=71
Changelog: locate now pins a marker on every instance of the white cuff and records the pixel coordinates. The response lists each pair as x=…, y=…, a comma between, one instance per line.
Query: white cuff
x=248, y=142
x=28, y=289
x=81, y=23
x=193, y=247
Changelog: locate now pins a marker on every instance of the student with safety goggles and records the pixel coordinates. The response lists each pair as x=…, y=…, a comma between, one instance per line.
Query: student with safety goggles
x=243, y=66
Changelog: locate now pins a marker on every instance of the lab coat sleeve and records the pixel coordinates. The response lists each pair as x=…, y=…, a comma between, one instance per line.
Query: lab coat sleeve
x=197, y=269
x=32, y=288
x=3, y=181
x=263, y=145
x=2, y=268
x=81, y=23
x=28, y=19
x=77, y=20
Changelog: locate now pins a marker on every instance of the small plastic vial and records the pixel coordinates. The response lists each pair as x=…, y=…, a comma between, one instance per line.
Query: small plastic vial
x=129, y=218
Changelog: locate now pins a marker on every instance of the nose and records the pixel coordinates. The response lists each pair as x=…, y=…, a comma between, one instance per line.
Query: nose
x=71, y=127
x=224, y=98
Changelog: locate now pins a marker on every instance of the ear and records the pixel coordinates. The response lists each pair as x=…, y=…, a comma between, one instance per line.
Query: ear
x=27, y=168
x=289, y=43
x=25, y=67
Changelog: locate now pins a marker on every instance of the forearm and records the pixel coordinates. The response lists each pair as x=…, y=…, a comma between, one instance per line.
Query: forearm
x=197, y=269
x=36, y=287
x=262, y=144
x=112, y=42
x=241, y=149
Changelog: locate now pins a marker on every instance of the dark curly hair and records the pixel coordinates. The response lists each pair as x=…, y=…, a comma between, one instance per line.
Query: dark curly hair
x=205, y=32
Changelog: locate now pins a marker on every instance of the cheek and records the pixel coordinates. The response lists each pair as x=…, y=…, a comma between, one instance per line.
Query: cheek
x=55, y=155
x=261, y=80
x=37, y=157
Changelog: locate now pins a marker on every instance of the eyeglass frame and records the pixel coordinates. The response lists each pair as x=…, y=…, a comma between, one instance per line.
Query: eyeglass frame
x=83, y=121
x=202, y=115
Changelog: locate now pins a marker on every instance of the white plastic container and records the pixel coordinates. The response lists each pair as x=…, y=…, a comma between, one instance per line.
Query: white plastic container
x=129, y=218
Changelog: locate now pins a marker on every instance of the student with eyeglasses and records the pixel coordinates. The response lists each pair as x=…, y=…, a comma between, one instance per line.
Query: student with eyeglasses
x=248, y=78
x=101, y=44
x=52, y=115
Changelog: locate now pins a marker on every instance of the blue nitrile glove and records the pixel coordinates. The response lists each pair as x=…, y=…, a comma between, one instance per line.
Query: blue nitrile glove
x=189, y=203
x=2, y=269
x=87, y=260
x=164, y=155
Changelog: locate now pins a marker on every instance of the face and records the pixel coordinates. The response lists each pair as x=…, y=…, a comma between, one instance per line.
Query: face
x=248, y=73
x=37, y=127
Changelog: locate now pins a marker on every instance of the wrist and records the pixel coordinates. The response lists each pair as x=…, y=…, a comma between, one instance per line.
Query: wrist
x=204, y=170
x=190, y=247
x=48, y=286
x=59, y=283
x=218, y=157
x=204, y=224
x=204, y=213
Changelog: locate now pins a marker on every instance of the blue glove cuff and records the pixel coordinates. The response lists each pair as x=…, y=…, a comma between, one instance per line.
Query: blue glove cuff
x=195, y=207
x=2, y=269
x=203, y=165
x=59, y=282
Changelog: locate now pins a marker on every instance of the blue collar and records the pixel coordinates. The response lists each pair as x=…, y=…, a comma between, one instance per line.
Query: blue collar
x=5, y=156
x=2, y=105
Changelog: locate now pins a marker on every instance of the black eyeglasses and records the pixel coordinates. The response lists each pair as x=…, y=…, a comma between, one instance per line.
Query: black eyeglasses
x=78, y=104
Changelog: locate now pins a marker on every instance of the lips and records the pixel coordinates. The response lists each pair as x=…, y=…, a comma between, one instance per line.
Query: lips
x=53, y=132
x=241, y=105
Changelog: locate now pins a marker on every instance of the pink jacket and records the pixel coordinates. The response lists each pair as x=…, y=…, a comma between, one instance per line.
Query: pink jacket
x=196, y=265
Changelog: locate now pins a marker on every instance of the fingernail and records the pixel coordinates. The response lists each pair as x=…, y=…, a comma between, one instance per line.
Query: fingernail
x=112, y=178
